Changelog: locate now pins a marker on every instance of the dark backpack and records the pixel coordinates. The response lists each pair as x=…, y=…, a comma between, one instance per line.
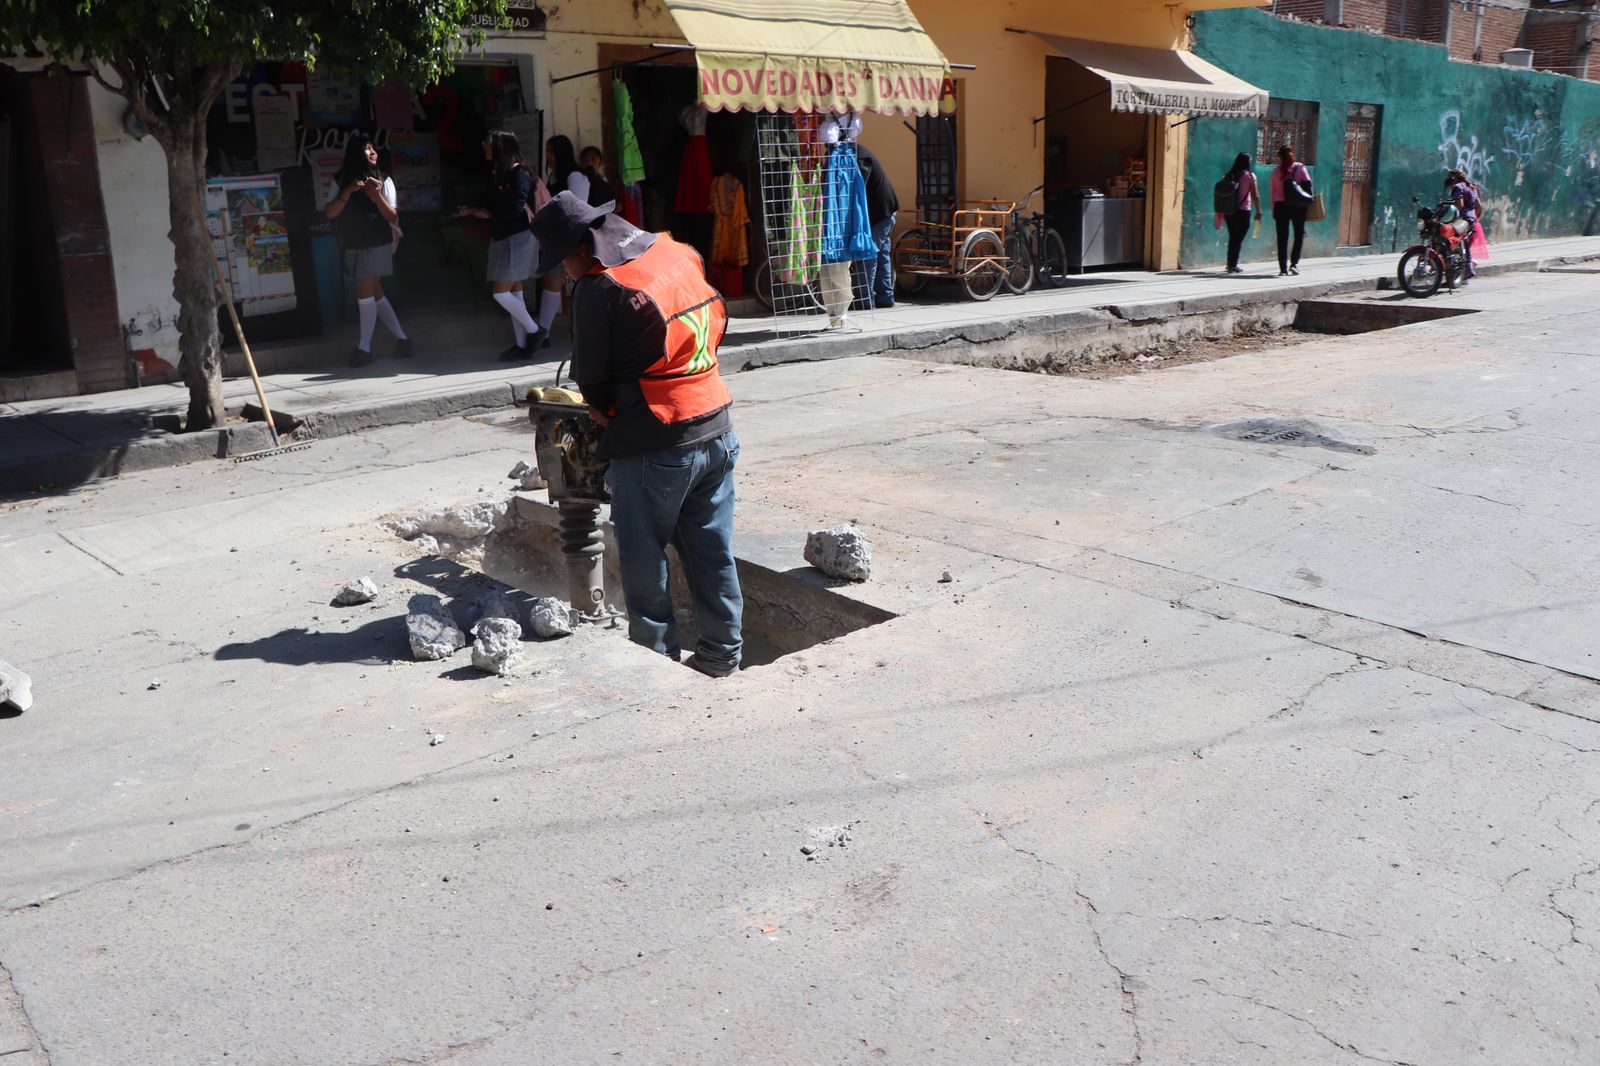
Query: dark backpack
x=1225, y=195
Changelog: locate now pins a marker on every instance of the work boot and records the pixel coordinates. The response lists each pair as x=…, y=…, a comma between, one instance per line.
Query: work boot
x=710, y=669
x=360, y=357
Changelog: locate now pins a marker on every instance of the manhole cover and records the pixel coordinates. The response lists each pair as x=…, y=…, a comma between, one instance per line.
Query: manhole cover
x=1283, y=431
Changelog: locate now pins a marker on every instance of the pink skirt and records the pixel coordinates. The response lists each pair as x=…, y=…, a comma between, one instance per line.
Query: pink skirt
x=694, y=178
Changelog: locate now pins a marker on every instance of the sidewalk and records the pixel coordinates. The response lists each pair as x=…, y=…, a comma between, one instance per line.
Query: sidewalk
x=64, y=442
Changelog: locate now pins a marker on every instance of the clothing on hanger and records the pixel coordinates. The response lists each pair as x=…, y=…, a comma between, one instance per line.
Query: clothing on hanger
x=729, y=246
x=846, y=226
x=630, y=161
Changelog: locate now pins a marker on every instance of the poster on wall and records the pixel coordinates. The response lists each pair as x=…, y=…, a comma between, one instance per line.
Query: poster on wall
x=275, y=132
x=325, y=164
x=250, y=238
x=415, y=159
x=332, y=100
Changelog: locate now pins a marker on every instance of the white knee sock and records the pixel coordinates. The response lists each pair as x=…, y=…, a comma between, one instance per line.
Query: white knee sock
x=368, y=310
x=390, y=320
x=512, y=302
x=518, y=334
x=549, y=307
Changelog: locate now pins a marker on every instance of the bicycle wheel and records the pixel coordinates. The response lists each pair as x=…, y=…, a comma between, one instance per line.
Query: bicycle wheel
x=1052, y=267
x=908, y=252
x=1019, y=278
x=982, y=263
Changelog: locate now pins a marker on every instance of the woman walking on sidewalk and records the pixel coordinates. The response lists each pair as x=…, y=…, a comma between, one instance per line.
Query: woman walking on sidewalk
x=1291, y=199
x=366, y=220
x=516, y=194
x=1247, y=199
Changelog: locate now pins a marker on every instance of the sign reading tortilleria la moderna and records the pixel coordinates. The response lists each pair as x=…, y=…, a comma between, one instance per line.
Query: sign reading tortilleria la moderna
x=1166, y=101
x=730, y=82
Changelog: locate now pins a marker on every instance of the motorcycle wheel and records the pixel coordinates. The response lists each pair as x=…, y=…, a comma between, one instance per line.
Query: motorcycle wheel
x=1421, y=273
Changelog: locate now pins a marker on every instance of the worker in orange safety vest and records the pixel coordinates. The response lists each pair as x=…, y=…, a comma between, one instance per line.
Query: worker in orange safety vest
x=645, y=331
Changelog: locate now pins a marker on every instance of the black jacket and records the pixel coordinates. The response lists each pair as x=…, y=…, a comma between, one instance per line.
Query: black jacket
x=881, y=199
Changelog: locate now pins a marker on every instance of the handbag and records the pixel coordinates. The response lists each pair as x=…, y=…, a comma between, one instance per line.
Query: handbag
x=1318, y=210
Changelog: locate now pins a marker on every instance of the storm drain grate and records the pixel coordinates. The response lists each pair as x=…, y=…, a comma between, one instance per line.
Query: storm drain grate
x=1282, y=431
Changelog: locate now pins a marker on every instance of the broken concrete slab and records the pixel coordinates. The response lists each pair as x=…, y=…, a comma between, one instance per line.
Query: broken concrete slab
x=498, y=647
x=16, y=687
x=549, y=617
x=842, y=552
x=356, y=592
x=433, y=632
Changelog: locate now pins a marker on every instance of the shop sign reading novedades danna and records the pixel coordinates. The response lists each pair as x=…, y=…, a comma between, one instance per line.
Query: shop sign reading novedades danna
x=801, y=83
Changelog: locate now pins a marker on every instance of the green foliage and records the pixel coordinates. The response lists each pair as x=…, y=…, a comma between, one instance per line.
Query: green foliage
x=175, y=41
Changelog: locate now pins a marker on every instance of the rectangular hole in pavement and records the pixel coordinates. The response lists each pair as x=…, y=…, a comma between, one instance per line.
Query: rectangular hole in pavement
x=783, y=612
x=1346, y=318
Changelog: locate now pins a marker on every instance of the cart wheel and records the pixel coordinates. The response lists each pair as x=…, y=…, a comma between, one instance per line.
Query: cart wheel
x=1019, y=279
x=908, y=252
x=982, y=263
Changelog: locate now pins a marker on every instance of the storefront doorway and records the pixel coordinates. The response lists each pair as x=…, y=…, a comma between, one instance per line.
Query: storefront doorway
x=288, y=127
x=1095, y=177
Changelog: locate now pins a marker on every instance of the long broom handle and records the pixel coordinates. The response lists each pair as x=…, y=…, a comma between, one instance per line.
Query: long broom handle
x=233, y=315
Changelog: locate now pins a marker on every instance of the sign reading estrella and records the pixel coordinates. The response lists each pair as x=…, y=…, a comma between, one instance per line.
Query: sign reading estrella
x=730, y=82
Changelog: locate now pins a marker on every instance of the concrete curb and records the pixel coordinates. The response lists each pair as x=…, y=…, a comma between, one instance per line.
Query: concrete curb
x=1103, y=325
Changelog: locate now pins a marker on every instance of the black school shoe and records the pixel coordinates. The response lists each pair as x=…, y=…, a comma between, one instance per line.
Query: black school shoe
x=359, y=357
x=516, y=353
x=403, y=349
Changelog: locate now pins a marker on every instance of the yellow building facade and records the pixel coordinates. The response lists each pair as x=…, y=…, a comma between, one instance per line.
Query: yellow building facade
x=1024, y=114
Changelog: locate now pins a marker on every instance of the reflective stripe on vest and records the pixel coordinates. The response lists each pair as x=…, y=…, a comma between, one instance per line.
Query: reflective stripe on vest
x=683, y=384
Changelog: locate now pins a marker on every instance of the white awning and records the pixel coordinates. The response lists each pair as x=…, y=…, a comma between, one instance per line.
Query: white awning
x=821, y=55
x=1161, y=82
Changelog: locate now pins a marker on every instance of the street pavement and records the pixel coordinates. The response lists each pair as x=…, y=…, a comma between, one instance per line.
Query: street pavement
x=57, y=443
x=1273, y=750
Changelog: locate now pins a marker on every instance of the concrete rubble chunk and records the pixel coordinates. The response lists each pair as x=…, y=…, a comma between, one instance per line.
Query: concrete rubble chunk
x=16, y=687
x=359, y=591
x=471, y=522
x=492, y=604
x=522, y=470
x=498, y=647
x=841, y=552
x=434, y=633
x=531, y=481
x=549, y=617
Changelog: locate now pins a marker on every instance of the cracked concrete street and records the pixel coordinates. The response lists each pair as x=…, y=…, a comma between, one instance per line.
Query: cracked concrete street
x=1210, y=751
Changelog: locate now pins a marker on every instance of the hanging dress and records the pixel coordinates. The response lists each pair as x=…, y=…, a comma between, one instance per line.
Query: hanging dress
x=694, y=166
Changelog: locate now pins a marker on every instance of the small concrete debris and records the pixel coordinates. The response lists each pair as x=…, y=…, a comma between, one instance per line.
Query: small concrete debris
x=842, y=552
x=532, y=482
x=808, y=850
x=153, y=685
x=16, y=687
x=426, y=544
x=433, y=632
x=434, y=740
x=549, y=617
x=945, y=578
x=356, y=592
x=522, y=470
x=498, y=646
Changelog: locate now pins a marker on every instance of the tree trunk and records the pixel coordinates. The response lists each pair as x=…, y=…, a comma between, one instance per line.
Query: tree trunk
x=199, y=340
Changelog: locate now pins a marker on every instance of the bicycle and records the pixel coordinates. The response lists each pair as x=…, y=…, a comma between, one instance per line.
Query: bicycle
x=1037, y=251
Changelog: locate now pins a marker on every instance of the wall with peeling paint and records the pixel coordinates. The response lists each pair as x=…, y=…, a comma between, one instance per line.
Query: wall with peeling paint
x=1531, y=140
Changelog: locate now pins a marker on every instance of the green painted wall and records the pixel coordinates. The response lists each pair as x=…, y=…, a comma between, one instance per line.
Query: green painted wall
x=1531, y=140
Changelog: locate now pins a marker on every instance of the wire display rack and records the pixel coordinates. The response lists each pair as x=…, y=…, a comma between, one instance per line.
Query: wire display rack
x=805, y=294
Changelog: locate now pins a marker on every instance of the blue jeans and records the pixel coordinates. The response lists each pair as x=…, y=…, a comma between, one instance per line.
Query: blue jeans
x=880, y=271
x=682, y=497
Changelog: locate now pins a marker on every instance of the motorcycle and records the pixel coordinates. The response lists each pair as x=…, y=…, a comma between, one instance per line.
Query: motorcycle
x=1441, y=256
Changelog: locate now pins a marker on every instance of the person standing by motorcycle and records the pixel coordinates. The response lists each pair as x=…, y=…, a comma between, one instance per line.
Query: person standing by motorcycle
x=1468, y=201
x=1291, y=199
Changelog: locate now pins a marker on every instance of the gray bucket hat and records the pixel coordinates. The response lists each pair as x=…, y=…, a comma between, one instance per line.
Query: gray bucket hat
x=562, y=223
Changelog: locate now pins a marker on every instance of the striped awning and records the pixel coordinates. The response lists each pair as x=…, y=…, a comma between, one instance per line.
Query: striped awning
x=815, y=55
x=1161, y=81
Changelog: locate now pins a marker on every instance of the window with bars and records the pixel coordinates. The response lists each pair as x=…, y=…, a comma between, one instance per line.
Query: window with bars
x=1291, y=122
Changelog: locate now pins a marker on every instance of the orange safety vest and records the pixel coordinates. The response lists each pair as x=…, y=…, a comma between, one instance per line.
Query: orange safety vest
x=684, y=383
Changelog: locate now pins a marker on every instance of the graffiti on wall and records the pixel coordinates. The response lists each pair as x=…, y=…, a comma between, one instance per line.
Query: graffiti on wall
x=1460, y=152
x=1524, y=139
